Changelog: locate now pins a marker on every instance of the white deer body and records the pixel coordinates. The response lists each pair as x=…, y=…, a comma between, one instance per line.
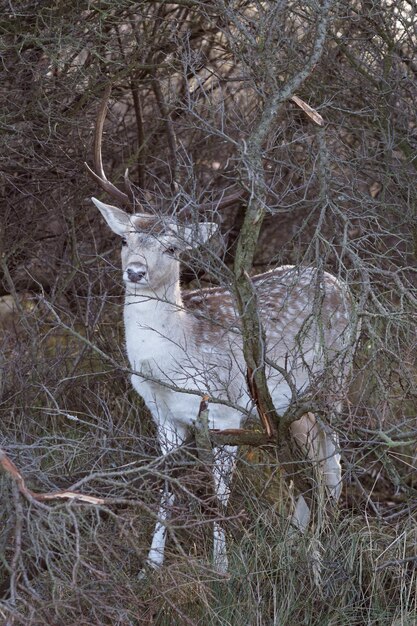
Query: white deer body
x=183, y=343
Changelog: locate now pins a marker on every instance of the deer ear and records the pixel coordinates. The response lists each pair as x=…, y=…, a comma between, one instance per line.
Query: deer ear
x=118, y=220
x=193, y=237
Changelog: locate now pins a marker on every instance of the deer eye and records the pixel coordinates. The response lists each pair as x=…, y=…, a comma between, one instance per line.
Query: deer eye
x=171, y=250
x=124, y=242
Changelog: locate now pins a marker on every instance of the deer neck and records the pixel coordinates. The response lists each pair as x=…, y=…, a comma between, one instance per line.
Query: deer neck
x=156, y=324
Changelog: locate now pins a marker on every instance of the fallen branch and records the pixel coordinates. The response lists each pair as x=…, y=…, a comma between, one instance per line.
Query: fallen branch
x=239, y=437
x=10, y=468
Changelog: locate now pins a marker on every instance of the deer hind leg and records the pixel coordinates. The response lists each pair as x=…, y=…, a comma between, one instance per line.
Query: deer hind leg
x=224, y=465
x=321, y=446
x=169, y=437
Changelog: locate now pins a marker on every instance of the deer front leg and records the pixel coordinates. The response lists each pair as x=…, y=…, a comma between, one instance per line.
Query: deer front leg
x=224, y=464
x=169, y=437
x=156, y=553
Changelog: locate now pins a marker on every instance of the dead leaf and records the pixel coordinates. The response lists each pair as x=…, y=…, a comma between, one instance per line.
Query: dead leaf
x=312, y=113
x=375, y=188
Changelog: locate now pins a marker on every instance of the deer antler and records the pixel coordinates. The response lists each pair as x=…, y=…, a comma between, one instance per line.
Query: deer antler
x=98, y=175
x=128, y=197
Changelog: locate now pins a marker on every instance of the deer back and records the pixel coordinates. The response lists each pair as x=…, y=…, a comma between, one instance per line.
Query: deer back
x=306, y=316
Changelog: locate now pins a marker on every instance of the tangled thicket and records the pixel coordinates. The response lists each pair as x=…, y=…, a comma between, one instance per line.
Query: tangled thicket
x=190, y=81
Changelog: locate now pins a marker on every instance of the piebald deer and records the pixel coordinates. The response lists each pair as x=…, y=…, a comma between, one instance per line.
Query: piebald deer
x=184, y=342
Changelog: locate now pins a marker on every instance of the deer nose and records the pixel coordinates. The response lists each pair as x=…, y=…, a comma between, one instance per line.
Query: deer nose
x=136, y=274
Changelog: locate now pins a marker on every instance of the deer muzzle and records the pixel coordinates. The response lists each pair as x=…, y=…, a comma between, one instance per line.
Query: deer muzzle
x=135, y=273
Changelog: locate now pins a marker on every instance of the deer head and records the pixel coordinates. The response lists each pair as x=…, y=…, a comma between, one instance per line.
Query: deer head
x=151, y=245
